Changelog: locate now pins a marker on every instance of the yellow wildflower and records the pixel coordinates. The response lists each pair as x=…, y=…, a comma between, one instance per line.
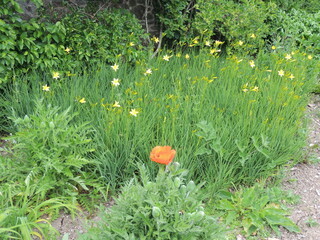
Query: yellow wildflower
x=255, y=89
x=187, y=56
x=252, y=64
x=291, y=76
x=217, y=42
x=273, y=47
x=214, y=50
x=115, y=67
x=55, y=75
x=116, y=104
x=134, y=112
x=288, y=56
x=240, y=43
x=67, y=50
x=148, y=72
x=115, y=82
x=281, y=73
x=155, y=39
x=207, y=43
x=46, y=88
x=166, y=58
x=253, y=35
x=131, y=44
x=309, y=57
x=82, y=100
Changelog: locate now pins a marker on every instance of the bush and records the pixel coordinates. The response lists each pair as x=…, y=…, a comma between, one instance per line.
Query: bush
x=75, y=41
x=110, y=36
x=297, y=29
x=167, y=208
x=241, y=24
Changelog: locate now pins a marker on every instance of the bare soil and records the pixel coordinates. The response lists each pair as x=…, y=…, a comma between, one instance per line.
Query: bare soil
x=304, y=180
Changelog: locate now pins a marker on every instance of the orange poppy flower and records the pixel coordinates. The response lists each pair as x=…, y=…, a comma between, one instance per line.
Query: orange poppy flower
x=162, y=155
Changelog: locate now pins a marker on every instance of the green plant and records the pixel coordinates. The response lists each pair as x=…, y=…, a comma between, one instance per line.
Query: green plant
x=297, y=29
x=24, y=213
x=167, y=208
x=254, y=209
x=52, y=152
x=242, y=24
x=111, y=35
x=254, y=107
x=312, y=222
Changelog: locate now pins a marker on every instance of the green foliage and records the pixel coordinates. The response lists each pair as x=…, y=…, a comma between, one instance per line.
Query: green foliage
x=254, y=209
x=24, y=214
x=108, y=36
x=244, y=25
x=310, y=6
x=176, y=18
x=51, y=152
x=257, y=115
x=167, y=208
x=297, y=29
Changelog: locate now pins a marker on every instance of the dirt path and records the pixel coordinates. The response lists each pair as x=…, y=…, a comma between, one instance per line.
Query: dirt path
x=304, y=180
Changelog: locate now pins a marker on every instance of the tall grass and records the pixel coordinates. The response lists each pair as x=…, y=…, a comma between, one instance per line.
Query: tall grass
x=229, y=122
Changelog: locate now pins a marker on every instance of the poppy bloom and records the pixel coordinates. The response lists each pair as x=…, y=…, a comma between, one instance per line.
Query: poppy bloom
x=162, y=155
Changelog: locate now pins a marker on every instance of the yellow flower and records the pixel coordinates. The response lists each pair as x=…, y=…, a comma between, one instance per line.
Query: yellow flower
x=309, y=57
x=67, y=50
x=46, y=88
x=245, y=89
x=134, y=112
x=131, y=44
x=252, y=64
x=115, y=67
x=240, y=43
x=115, y=82
x=273, y=48
x=207, y=43
x=253, y=35
x=214, y=50
x=82, y=100
x=255, y=89
x=291, y=76
x=148, y=72
x=288, y=56
x=217, y=42
x=166, y=58
x=116, y=104
x=55, y=75
x=187, y=56
x=281, y=73
x=155, y=39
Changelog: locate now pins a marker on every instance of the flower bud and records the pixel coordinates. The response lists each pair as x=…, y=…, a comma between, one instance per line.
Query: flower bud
x=191, y=186
x=177, y=182
x=156, y=212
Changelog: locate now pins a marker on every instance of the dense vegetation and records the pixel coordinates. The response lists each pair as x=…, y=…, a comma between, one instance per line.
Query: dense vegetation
x=84, y=99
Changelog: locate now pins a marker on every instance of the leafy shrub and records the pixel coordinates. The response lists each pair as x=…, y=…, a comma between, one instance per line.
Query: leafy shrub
x=176, y=18
x=243, y=25
x=27, y=44
x=51, y=152
x=297, y=29
x=167, y=208
x=110, y=35
x=310, y=6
